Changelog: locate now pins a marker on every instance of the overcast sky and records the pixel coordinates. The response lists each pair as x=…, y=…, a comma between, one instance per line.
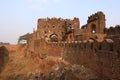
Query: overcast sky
x=18, y=17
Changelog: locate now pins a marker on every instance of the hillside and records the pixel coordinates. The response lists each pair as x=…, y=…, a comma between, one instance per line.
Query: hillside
x=21, y=67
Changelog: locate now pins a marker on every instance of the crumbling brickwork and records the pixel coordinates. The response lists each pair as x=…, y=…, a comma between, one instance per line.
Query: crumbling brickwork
x=57, y=29
x=94, y=28
x=102, y=57
x=91, y=45
x=112, y=30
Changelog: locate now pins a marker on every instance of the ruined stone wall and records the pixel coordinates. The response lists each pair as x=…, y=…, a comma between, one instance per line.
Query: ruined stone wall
x=57, y=26
x=113, y=30
x=101, y=56
x=50, y=48
x=45, y=29
x=30, y=42
x=88, y=48
x=66, y=30
x=95, y=26
x=96, y=23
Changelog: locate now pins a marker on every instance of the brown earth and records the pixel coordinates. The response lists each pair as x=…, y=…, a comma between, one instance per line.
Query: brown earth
x=18, y=65
x=21, y=67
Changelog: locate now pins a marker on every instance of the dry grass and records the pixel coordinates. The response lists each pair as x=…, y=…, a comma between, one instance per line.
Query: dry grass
x=20, y=65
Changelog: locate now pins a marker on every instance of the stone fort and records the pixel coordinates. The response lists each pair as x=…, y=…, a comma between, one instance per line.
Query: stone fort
x=92, y=45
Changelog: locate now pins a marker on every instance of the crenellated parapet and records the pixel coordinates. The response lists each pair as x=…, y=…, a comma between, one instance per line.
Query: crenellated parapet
x=112, y=30
x=92, y=17
x=94, y=45
x=95, y=16
x=98, y=55
x=96, y=23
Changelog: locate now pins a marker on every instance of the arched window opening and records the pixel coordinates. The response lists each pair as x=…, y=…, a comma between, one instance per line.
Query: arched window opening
x=54, y=38
x=93, y=29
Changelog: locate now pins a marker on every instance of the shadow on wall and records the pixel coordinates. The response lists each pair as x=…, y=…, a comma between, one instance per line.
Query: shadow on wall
x=4, y=56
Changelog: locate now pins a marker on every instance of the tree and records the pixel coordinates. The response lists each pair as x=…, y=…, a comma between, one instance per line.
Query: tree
x=22, y=39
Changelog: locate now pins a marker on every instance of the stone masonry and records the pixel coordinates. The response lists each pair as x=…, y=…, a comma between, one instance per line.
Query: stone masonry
x=92, y=45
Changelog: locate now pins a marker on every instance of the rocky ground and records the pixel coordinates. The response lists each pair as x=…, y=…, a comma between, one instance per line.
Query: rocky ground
x=21, y=67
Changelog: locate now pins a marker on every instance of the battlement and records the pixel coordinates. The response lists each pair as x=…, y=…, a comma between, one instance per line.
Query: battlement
x=54, y=18
x=57, y=22
x=112, y=30
x=96, y=54
x=95, y=16
x=103, y=44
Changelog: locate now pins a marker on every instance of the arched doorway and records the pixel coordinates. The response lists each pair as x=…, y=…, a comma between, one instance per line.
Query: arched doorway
x=93, y=28
x=54, y=37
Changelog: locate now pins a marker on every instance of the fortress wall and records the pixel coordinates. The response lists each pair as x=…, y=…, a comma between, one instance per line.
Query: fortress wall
x=51, y=49
x=113, y=30
x=49, y=26
x=30, y=43
x=101, y=56
x=54, y=49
